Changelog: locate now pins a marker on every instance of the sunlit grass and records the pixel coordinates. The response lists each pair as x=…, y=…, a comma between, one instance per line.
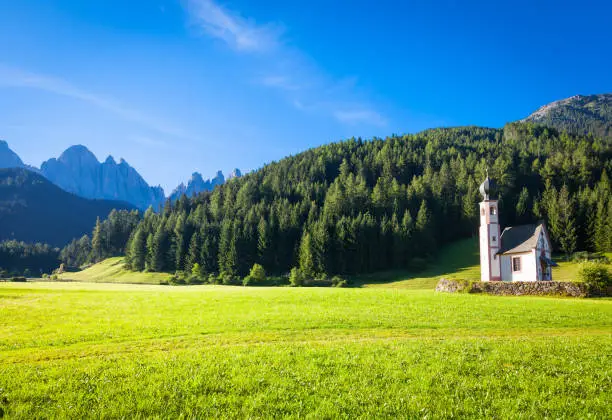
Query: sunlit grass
x=459, y=260
x=112, y=270
x=113, y=350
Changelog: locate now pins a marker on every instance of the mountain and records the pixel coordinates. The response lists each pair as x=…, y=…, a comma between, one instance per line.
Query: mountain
x=578, y=115
x=235, y=174
x=78, y=171
x=32, y=209
x=197, y=184
x=8, y=158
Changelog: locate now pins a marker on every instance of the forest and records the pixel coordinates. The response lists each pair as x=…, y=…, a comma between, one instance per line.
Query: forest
x=20, y=258
x=361, y=206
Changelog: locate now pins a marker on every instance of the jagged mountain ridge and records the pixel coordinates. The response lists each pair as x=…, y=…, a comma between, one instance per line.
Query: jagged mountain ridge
x=579, y=114
x=197, y=184
x=8, y=158
x=78, y=171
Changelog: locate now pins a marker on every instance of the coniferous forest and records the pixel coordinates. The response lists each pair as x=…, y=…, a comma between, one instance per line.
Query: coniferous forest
x=361, y=206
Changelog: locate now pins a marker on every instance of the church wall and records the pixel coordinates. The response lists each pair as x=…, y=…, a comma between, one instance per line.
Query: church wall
x=528, y=270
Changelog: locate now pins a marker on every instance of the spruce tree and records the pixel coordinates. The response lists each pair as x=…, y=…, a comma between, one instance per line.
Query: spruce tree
x=138, y=250
x=97, y=242
x=566, y=228
x=193, y=257
x=306, y=258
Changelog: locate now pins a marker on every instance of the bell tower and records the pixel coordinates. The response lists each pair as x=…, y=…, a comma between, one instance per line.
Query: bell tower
x=490, y=266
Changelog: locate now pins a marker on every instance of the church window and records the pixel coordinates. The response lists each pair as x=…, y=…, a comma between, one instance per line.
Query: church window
x=493, y=210
x=516, y=263
x=494, y=239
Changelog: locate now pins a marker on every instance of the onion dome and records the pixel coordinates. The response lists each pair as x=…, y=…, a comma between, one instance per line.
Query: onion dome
x=487, y=188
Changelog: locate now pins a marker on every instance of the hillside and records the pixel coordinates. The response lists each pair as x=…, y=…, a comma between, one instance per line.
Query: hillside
x=358, y=206
x=32, y=209
x=578, y=115
x=112, y=270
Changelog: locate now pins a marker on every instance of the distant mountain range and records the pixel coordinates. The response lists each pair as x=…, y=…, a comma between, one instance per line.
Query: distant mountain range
x=197, y=184
x=32, y=209
x=78, y=171
x=579, y=115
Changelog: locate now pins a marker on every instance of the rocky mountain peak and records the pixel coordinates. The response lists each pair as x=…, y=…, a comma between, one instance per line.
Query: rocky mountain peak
x=78, y=171
x=8, y=158
x=78, y=155
x=578, y=114
x=235, y=174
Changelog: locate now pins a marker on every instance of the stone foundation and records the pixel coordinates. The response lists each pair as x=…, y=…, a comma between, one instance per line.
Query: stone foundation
x=518, y=288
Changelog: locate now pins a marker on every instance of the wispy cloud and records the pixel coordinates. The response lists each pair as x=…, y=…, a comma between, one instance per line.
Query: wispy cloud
x=284, y=67
x=357, y=116
x=15, y=77
x=240, y=33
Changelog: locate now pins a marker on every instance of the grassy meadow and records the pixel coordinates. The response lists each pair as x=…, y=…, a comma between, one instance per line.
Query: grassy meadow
x=72, y=350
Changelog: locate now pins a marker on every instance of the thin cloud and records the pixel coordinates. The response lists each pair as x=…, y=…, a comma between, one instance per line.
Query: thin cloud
x=149, y=141
x=285, y=68
x=358, y=116
x=280, y=82
x=14, y=77
x=238, y=32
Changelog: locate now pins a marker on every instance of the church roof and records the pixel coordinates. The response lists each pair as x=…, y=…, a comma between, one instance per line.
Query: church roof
x=521, y=238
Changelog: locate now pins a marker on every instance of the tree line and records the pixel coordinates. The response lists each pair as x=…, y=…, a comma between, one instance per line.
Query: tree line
x=361, y=206
x=22, y=259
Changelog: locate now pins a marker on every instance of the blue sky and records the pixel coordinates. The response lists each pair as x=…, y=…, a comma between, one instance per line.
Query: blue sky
x=175, y=86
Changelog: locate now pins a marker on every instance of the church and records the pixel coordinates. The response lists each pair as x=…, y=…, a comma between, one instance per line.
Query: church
x=519, y=253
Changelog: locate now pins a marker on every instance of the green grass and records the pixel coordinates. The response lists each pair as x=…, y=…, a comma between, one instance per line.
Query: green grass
x=112, y=270
x=459, y=260
x=73, y=350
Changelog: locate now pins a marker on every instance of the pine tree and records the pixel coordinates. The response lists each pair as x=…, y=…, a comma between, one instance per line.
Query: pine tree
x=160, y=249
x=566, y=228
x=263, y=242
x=180, y=239
x=193, y=257
x=602, y=232
x=97, y=242
x=522, y=205
x=426, y=241
x=227, y=250
x=138, y=250
x=306, y=258
x=407, y=229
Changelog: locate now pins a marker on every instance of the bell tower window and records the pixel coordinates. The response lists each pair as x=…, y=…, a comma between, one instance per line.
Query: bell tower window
x=493, y=211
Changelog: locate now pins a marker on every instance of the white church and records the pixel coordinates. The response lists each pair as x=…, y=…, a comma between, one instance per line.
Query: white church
x=519, y=253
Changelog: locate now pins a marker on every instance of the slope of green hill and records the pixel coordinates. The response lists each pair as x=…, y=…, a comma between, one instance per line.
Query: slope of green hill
x=32, y=209
x=358, y=206
x=579, y=115
x=112, y=270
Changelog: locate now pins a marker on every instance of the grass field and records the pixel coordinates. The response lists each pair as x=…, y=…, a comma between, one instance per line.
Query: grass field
x=77, y=350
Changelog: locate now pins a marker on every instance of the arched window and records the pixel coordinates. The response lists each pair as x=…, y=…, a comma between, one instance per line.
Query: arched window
x=493, y=210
